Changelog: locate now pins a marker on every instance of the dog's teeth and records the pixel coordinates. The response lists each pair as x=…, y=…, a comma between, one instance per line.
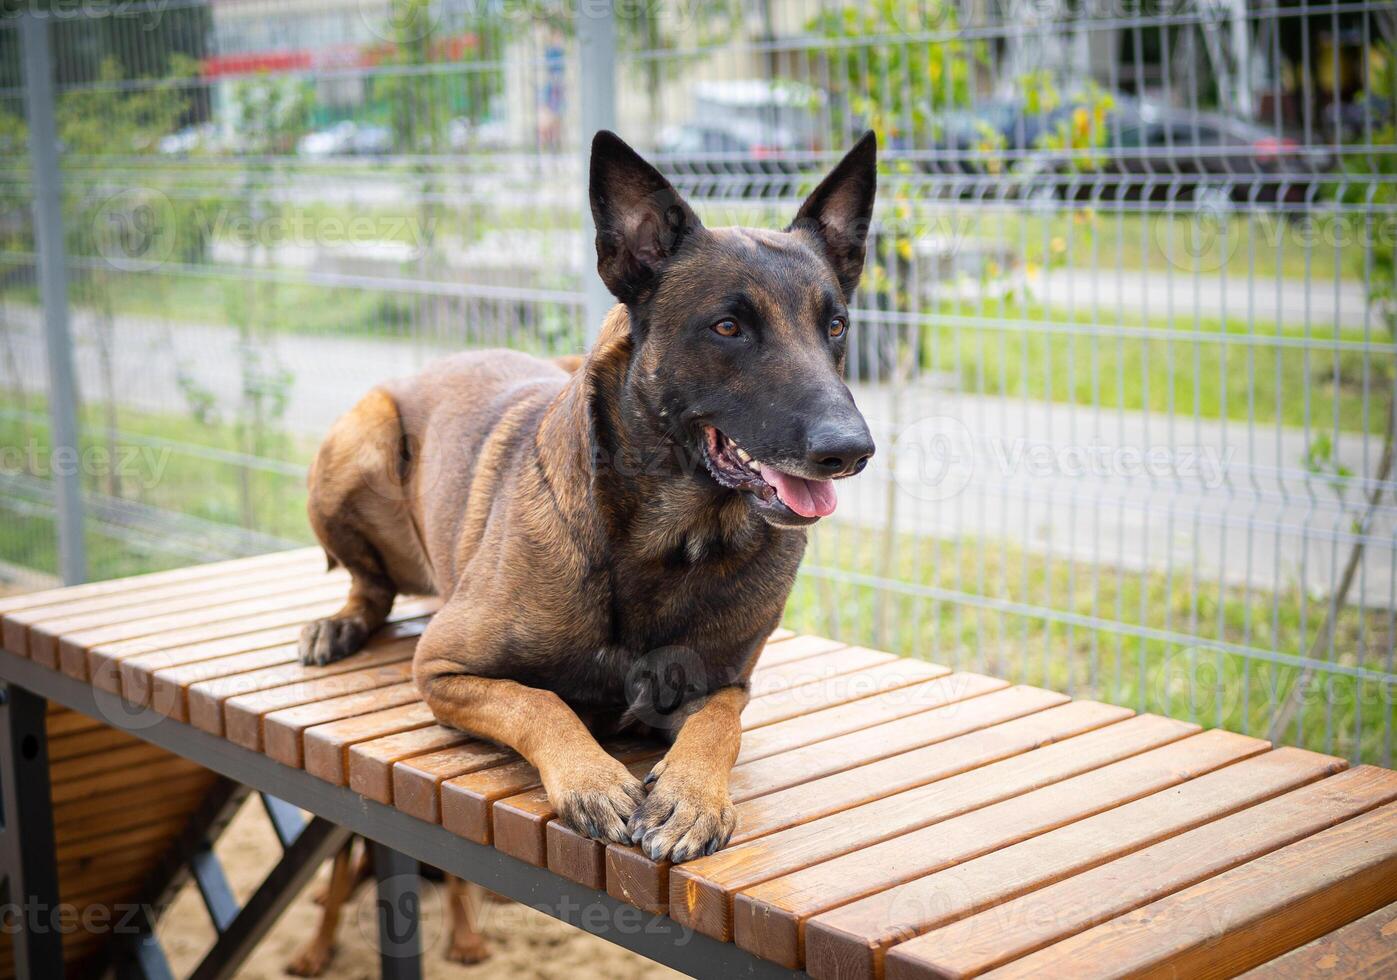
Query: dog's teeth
x=744, y=455
x=753, y=466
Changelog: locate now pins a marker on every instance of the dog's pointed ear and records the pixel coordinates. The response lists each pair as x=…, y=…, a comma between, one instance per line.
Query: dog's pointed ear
x=838, y=212
x=641, y=220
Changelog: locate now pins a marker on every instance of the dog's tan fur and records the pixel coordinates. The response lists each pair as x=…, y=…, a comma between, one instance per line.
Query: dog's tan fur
x=573, y=542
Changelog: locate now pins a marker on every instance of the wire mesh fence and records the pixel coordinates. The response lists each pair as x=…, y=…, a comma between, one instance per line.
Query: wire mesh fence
x=1126, y=334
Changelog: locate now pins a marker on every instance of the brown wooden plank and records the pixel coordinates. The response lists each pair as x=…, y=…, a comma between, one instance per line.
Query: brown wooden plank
x=73, y=647
x=96, y=610
x=160, y=833
x=1254, y=912
x=986, y=864
x=842, y=689
x=1365, y=949
x=634, y=878
x=701, y=891
x=845, y=660
x=171, y=671
x=136, y=583
x=104, y=667
x=66, y=721
x=466, y=801
x=779, y=634
x=793, y=648
x=129, y=757
x=116, y=779
x=999, y=935
x=244, y=715
x=416, y=780
x=153, y=808
x=283, y=686
x=85, y=742
x=853, y=716
x=758, y=777
x=371, y=763
x=282, y=731
x=166, y=690
x=98, y=806
x=326, y=747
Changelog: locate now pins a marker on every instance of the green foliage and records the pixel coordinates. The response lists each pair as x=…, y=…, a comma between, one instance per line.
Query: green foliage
x=898, y=88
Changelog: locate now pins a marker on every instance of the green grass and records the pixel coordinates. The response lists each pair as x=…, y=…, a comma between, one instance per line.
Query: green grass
x=1199, y=374
x=1189, y=680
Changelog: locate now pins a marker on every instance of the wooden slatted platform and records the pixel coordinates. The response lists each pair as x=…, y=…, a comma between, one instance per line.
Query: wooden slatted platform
x=896, y=818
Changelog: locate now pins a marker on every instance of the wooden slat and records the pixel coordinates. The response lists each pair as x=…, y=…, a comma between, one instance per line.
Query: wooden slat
x=417, y=781
x=701, y=891
x=1362, y=950
x=85, y=742
x=770, y=919
x=798, y=700
x=98, y=807
x=793, y=648
x=1254, y=912
x=136, y=583
x=815, y=780
x=997, y=936
x=115, y=779
x=371, y=763
x=170, y=672
x=73, y=647
x=282, y=730
x=518, y=820
x=119, y=606
x=633, y=877
x=246, y=716
x=104, y=662
x=845, y=660
x=466, y=800
x=168, y=687
x=326, y=747
x=256, y=692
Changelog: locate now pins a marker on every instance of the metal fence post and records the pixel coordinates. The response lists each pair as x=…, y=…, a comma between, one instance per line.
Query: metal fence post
x=53, y=291
x=596, y=45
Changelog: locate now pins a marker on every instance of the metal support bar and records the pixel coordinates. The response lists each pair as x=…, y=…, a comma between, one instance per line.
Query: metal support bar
x=596, y=46
x=283, y=883
x=53, y=291
x=658, y=937
x=399, y=913
x=286, y=819
x=27, y=858
x=213, y=886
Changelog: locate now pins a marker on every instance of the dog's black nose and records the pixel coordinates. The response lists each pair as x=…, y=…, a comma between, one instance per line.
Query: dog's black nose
x=840, y=450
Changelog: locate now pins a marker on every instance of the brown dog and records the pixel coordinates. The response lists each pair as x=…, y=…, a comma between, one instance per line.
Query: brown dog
x=618, y=542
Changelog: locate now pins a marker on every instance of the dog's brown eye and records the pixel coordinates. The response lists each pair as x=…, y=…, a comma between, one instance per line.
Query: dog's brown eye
x=837, y=326
x=726, y=328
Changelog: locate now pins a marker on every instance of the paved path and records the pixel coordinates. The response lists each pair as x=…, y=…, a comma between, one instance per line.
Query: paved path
x=1129, y=489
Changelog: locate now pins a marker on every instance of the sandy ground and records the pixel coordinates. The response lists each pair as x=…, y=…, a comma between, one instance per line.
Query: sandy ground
x=524, y=943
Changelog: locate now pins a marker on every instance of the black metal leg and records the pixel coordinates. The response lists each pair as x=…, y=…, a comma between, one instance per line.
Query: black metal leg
x=399, y=914
x=27, y=860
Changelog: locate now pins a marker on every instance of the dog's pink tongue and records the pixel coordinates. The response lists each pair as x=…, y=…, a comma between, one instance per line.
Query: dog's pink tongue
x=808, y=498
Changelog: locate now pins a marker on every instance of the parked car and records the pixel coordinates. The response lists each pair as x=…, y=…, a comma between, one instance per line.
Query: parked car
x=748, y=138
x=347, y=138
x=1162, y=153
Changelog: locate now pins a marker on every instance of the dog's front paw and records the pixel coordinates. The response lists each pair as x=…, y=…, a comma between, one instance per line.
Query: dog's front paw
x=596, y=798
x=686, y=815
x=327, y=640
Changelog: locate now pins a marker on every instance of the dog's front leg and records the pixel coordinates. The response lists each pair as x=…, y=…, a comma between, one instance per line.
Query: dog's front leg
x=688, y=812
x=591, y=791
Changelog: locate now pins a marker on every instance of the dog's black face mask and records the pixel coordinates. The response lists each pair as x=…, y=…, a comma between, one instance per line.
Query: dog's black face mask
x=740, y=335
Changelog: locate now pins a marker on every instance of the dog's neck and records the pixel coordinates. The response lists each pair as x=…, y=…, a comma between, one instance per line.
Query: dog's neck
x=646, y=494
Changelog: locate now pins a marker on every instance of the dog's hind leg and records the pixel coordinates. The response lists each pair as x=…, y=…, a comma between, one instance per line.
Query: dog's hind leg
x=359, y=510
x=312, y=959
x=467, y=944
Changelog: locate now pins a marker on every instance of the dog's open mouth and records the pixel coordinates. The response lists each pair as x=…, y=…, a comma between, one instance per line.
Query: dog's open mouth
x=733, y=467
